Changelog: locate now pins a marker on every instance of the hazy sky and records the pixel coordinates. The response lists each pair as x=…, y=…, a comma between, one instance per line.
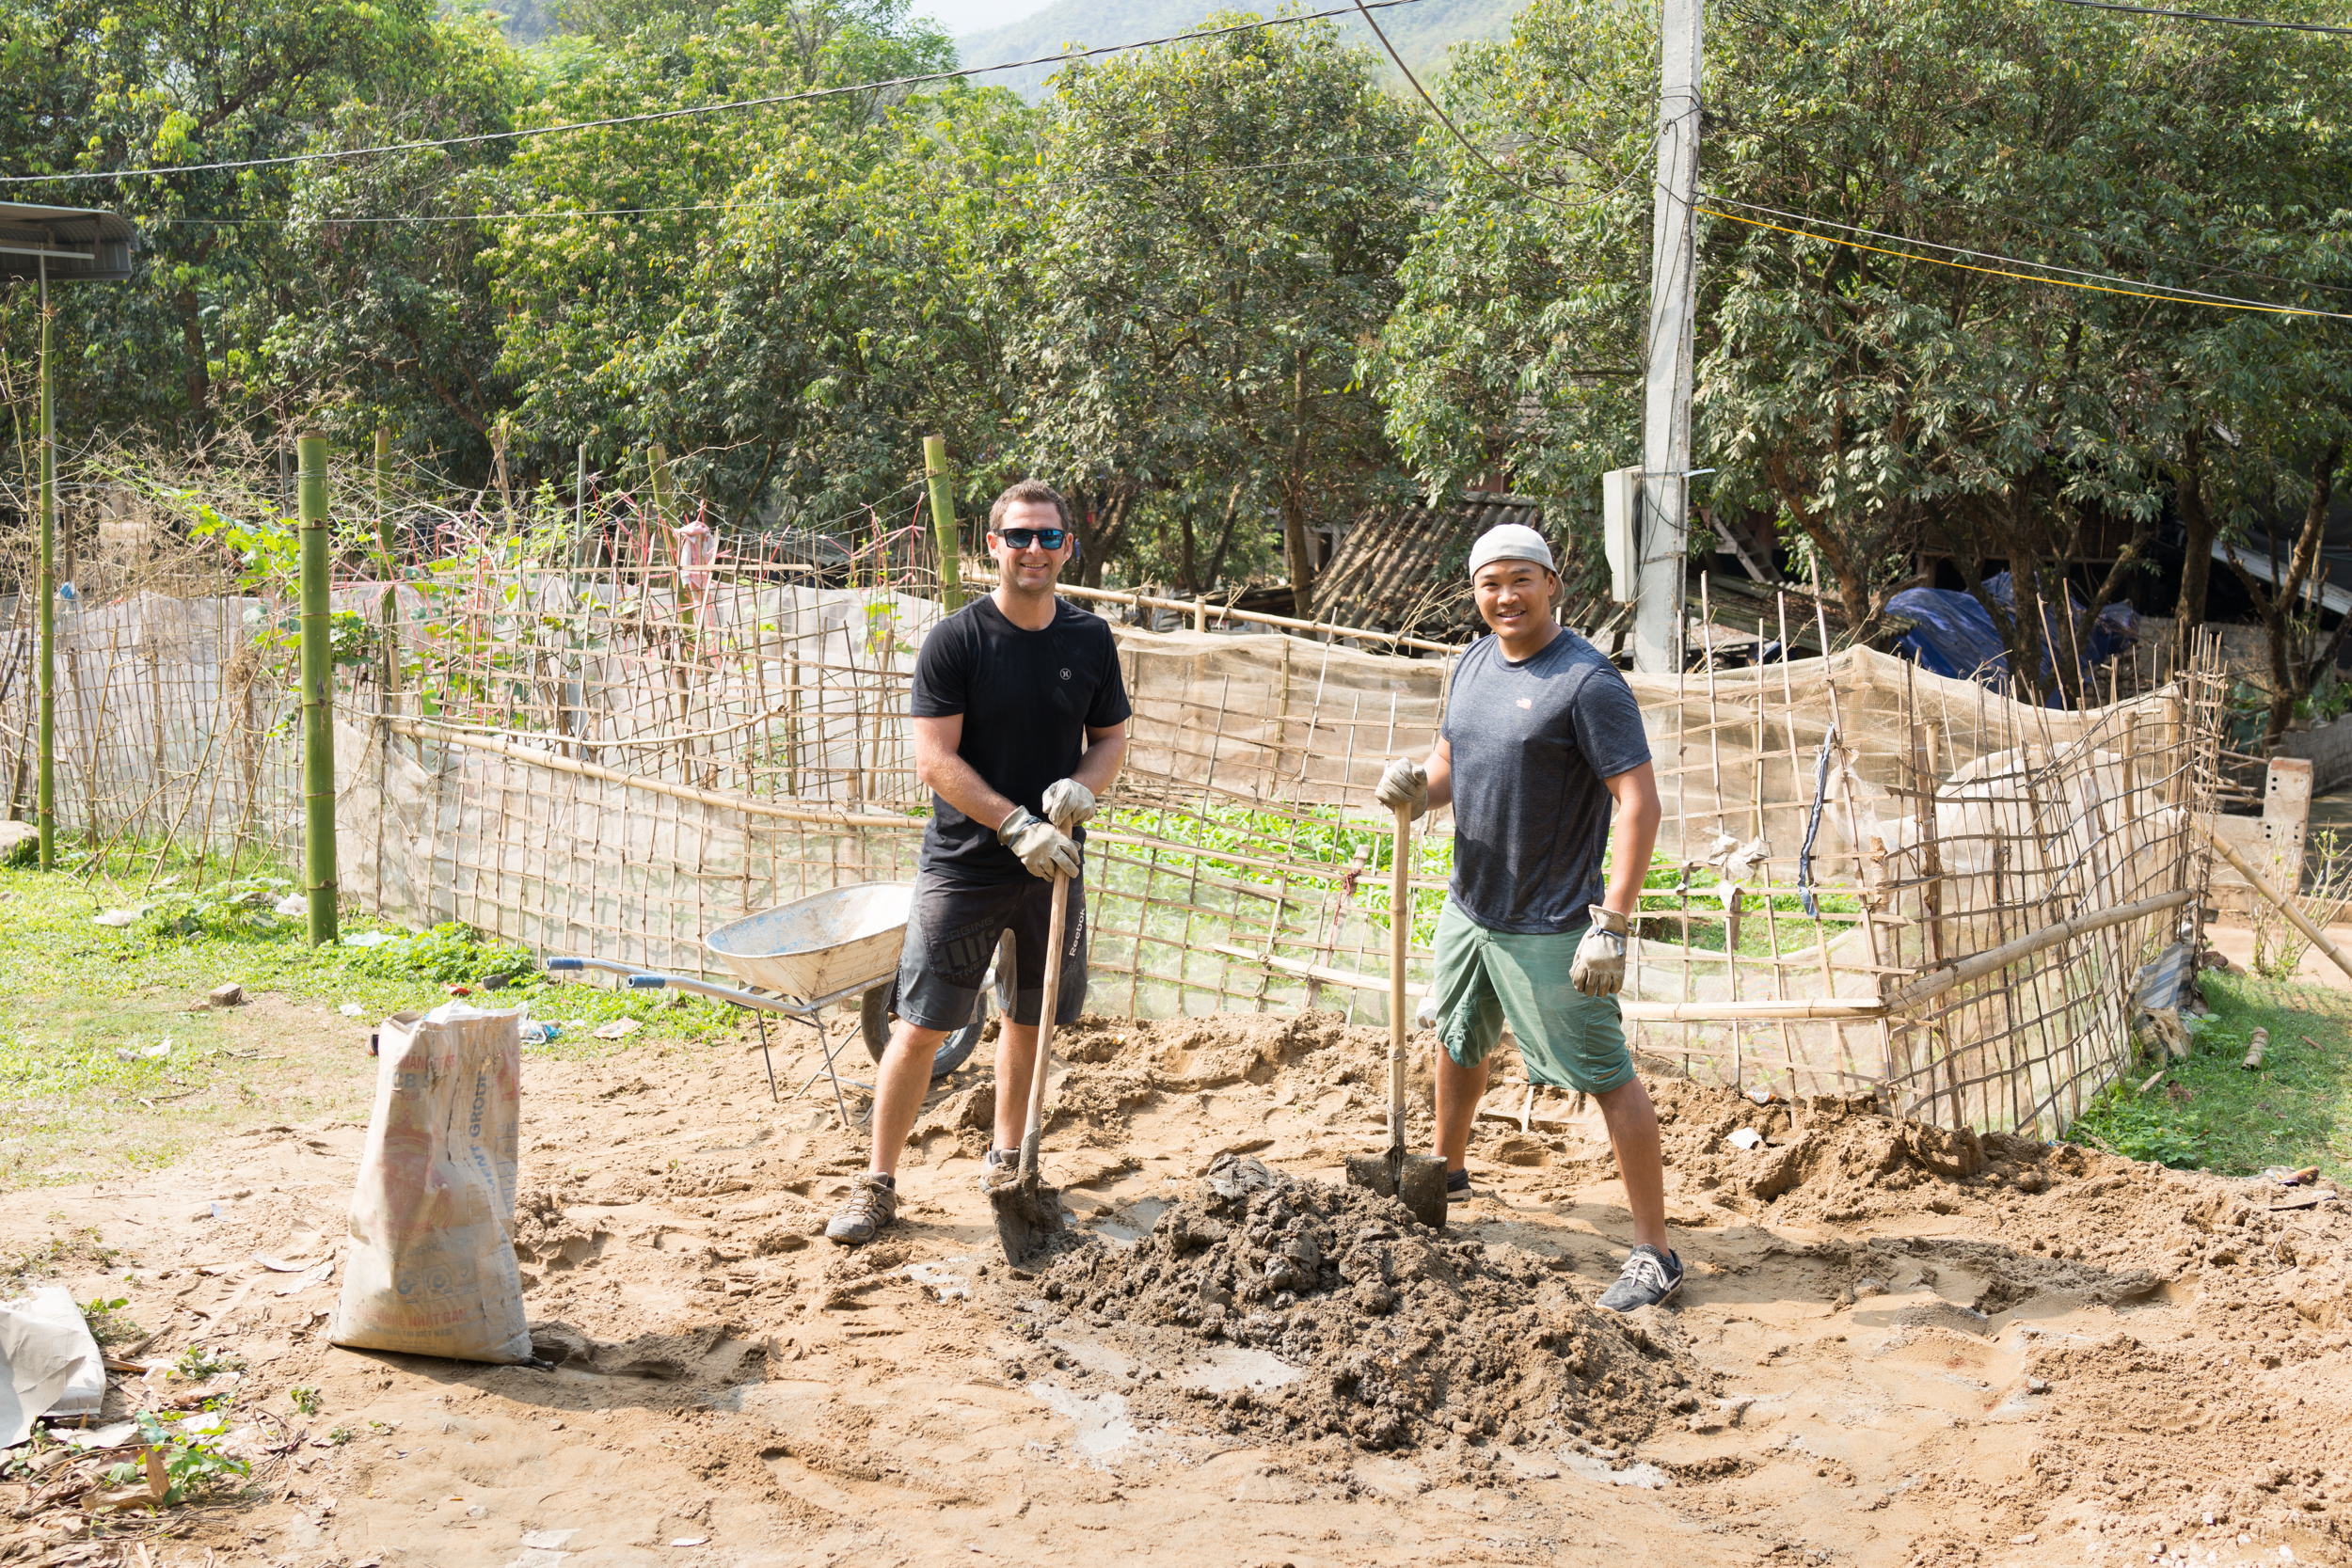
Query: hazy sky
x=970, y=16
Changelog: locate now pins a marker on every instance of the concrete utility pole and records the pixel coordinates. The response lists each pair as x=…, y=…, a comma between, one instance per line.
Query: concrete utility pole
x=1666, y=404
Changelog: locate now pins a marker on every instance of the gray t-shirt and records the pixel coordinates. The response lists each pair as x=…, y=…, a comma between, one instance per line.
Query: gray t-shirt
x=1531, y=744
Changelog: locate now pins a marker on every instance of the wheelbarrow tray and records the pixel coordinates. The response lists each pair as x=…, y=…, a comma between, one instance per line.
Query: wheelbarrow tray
x=816, y=947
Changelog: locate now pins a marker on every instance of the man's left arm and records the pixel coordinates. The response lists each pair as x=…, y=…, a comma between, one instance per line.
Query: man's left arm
x=1106, y=749
x=1635, y=791
x=1071, y=800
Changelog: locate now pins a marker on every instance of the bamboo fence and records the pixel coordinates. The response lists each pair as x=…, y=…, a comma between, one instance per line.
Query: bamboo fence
x=603, y=734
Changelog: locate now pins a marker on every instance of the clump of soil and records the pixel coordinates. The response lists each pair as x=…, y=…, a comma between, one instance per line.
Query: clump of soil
x=1402, y=1336
x=1839, y=1158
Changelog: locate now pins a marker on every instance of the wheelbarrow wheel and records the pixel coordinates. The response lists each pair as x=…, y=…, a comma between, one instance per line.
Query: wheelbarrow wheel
x=881, y=1006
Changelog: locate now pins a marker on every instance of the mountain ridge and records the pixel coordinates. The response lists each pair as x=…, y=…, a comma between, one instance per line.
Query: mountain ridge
x=1423, y=33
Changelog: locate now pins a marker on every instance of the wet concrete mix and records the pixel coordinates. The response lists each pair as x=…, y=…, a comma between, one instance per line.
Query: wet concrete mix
x=1399, y=1335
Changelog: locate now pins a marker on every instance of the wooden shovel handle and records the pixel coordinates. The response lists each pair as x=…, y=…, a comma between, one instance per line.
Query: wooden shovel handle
x=1399, y=938
x=1056, y=929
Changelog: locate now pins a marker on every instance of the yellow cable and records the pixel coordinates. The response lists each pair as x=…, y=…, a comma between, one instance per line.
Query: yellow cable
x=2027, y=278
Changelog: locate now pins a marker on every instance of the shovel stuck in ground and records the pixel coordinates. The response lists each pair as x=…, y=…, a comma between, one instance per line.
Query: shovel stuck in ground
x=1417, y=1180
x=1028, y=1213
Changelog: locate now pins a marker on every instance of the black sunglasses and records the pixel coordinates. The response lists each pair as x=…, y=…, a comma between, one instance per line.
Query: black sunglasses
x=1021, y=538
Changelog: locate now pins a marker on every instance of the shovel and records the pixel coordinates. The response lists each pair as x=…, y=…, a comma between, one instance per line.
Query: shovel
x=1028, y=1213
x=1417, y=1180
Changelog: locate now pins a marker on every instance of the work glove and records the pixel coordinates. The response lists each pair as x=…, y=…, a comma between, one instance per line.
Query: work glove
x=1404, y=783
x=1046, y=851
x=1067, y=802
x=1599, y=966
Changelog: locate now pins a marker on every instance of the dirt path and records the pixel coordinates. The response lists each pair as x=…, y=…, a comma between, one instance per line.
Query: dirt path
x=2062, y=1358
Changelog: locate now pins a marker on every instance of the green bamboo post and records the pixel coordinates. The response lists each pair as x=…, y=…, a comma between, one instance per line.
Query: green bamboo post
x=658, y=466
x=944, y=522
x=48, y=804
x=318, y=692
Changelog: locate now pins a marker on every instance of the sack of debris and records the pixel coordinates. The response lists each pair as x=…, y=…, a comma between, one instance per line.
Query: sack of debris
x=431, y=1267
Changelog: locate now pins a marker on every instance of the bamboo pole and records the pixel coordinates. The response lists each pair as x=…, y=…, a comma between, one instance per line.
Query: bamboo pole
x=1644, y=1013
x=318, y=697
x=1985, y=964
x=944, y=522
x=47, y=809
x=1291, y=623
x=2261, y=885
x=750, y=807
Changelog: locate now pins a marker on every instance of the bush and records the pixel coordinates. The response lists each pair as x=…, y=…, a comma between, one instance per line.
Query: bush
x=450, y=954
x=246, y=909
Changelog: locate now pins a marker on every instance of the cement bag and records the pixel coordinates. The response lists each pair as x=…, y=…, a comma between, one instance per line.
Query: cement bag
x=431, y=1269
x=49, y=1364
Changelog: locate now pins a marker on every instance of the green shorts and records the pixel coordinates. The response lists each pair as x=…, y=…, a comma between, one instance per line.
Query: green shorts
x=1566, y=1038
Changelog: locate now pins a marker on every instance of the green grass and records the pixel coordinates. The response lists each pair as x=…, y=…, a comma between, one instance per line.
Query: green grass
x=2211, y=1113
x=104, y=1068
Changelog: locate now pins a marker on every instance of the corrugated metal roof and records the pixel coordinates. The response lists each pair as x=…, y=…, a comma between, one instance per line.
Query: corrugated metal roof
x=1401, y=571
x=76, y=243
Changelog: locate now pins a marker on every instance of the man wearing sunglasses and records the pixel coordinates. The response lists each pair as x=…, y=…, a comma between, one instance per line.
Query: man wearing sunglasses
x=1020, y=720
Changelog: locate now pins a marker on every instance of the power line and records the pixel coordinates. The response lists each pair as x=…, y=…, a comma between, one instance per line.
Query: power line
x=2181, y=296
x=810, y=96
x=2138, y=288
x=2172, y=290
x=1475, y=150
x=2207, y=16
x=2206, y=267
x=567, y=214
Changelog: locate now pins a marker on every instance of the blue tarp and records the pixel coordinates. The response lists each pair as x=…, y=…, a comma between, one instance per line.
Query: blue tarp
x=1952, y=635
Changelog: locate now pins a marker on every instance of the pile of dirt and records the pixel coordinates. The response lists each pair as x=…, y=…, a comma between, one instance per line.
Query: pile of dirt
x=1839, y=1158
x=1400, y=1336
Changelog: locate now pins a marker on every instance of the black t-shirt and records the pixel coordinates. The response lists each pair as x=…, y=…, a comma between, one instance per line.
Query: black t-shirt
x=1027, y=699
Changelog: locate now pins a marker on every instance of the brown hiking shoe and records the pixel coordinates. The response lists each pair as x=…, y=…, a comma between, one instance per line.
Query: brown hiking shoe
x=873, y=1203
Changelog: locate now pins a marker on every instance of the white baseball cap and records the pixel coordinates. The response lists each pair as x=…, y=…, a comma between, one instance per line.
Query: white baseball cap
x=1511, y=541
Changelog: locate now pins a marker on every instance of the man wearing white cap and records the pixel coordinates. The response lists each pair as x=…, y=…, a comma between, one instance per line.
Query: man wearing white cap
x=1541, y=739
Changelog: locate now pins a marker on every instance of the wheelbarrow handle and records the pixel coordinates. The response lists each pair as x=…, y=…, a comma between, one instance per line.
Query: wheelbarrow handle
x=639, y=979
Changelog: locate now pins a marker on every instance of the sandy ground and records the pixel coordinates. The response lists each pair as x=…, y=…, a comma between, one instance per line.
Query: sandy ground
x=2236, y=943
x=1895, y=1347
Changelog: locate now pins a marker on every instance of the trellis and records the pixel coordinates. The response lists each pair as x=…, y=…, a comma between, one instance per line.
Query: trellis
x=611, y=743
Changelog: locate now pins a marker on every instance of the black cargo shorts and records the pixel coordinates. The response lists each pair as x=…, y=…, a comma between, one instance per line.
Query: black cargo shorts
x=953, y=930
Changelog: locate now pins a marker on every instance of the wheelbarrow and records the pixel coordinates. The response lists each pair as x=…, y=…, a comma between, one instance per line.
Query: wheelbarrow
x=804, y=957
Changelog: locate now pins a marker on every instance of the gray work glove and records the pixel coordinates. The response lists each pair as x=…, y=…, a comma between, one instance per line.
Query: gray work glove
x=1599, y=966
x=1404, y=783
x=1067, y=802
x=1046, y=851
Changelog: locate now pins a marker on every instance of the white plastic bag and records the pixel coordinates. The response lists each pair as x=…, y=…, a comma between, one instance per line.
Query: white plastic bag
x=49, y=1364
x=432, y=1266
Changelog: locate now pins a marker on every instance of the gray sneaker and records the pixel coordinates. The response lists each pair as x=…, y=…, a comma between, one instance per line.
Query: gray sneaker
x=873, y=1203
x=1650, y=1279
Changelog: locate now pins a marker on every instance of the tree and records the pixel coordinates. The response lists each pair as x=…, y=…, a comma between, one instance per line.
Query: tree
x=856, y=297
x=1515, y=345
x=155, y=86
x=386, y=318
x=1859, y=385
x=619, y=220
x=1225, y=219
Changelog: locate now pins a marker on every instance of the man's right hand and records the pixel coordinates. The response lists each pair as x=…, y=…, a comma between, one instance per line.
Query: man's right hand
x=1046, y=851
x=1404, y=783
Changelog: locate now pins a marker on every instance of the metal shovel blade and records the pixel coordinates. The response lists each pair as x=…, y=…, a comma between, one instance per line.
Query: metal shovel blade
x=1416, y=1180
x=1029, y=1215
